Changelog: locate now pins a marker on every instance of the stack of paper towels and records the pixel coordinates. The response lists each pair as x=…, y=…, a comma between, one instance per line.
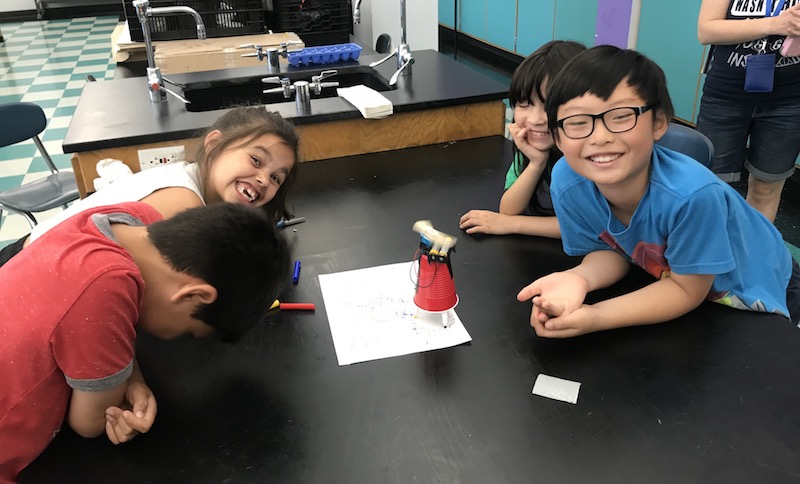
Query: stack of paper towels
x=370, y=102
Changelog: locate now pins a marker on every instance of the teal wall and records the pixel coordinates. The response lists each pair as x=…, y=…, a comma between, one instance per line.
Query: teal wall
x=574, y=20
x=521, y=26
x=667, y=34
x=676, y=50
x=534, y=25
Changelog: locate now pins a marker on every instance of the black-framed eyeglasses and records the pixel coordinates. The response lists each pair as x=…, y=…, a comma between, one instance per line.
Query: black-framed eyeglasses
x=617, y=120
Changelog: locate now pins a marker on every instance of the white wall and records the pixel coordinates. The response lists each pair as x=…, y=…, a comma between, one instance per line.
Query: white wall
x=16, y=5
x=383, y=16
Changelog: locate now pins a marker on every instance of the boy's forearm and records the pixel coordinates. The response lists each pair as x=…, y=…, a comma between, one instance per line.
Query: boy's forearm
x=661, y=301
x=87, y=410
x=601, y=269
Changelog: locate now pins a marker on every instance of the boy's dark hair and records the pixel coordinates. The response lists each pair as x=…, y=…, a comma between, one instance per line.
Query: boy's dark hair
x=234, y=248
x=529, y=77
x=599, y=71
x=242, y=124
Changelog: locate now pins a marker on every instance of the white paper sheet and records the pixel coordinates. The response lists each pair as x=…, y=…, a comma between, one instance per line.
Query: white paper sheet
x=372, y=315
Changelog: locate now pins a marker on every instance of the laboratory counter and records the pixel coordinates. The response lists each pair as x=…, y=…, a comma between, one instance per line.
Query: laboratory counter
x=442, y=100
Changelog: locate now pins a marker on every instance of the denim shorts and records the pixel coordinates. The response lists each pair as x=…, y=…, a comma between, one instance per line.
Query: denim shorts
x=773, y=129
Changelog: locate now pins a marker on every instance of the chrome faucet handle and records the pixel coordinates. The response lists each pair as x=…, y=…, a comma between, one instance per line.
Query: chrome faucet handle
x=396, y=75
x=319, y=86
x=379, y=62
x=258, y=53
x=286, y=86
x=324, y=75
x=183, y=99
x=316, y=81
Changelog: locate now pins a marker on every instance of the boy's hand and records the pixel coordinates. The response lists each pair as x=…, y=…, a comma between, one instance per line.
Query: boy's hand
x=137, y=417
x=484, y=222
x=554, y=295
x=519, y=135
x=576, y=323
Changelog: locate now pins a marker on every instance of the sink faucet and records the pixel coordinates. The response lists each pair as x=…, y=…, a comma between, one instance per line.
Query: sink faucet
x=403, y=51
x=272, y=54
x=155, y=82
x=357, y=12
x=301, y=89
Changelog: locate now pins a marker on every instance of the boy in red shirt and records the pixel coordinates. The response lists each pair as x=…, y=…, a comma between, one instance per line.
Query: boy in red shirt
x=69, y=316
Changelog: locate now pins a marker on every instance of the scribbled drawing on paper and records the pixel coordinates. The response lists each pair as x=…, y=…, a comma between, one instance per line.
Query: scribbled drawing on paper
x=372, y=315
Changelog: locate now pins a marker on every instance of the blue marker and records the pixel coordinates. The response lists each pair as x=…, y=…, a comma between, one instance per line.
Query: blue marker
x=285, y=223
x=296, y=276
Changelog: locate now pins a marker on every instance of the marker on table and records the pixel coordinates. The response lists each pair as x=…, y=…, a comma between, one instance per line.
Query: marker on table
x=285, y=223
x=293, y=306
x=296, y=276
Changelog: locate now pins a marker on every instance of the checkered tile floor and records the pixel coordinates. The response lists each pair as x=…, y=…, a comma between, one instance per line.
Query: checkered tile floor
x=46, y=62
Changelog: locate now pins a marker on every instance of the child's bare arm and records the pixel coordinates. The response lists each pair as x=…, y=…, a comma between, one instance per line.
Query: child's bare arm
x=172, y=200
x=557, y=295
x=114, y=410
x=518, y=196
x=87, y=410
x=597, y=270
x=136, y=415
x=658, y=302
x=488, y=222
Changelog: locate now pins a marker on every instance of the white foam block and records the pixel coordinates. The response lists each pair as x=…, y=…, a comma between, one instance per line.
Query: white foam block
x=556, y=388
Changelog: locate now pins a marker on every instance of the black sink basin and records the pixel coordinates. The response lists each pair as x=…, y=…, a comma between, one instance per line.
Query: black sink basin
x=209, y=95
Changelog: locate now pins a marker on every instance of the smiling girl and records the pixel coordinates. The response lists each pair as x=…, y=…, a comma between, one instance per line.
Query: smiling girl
x=527, y=181
x=247, y=157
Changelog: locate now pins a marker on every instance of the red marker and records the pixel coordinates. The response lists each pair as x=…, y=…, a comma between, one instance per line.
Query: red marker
x=297, y=307
x=293, y=306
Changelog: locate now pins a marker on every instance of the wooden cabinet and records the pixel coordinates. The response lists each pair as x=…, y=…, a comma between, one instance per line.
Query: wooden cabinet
x=341, y=138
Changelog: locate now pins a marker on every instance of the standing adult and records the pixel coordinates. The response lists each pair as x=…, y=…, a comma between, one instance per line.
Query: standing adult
x=752, y=91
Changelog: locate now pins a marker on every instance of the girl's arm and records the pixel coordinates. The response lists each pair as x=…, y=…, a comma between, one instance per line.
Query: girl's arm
x=533, y=225
x=169, y=201
x=518, y=196
x=714, y=28
x=488, y=222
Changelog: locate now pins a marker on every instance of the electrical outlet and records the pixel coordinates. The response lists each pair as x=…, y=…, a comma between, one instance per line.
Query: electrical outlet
x=160, y=156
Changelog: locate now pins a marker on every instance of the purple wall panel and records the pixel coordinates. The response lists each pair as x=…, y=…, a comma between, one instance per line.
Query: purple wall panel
x=613, y=22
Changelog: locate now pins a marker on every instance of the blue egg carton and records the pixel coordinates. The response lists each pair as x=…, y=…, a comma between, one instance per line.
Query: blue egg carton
x=324, y=54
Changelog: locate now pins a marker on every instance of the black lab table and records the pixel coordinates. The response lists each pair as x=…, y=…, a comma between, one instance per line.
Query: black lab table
x=711, y=397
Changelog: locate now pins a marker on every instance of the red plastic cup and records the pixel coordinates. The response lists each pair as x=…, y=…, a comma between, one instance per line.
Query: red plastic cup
x=436, y=290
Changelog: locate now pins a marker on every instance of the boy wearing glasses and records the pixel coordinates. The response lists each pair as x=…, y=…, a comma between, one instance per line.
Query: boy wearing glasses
x=620, y=199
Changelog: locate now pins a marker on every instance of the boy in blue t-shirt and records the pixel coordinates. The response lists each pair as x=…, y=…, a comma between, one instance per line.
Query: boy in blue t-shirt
x=619, y=200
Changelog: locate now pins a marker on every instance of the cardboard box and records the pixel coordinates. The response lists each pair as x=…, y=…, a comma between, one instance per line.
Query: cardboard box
x=192, y=55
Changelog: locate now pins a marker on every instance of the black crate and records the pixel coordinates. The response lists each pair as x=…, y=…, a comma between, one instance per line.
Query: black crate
x=222, y=18
x=316, y=21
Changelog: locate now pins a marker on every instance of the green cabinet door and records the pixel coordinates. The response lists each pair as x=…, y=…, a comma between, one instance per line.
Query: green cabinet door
x=534, y=24
x=668, y=35
x=576, y=20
